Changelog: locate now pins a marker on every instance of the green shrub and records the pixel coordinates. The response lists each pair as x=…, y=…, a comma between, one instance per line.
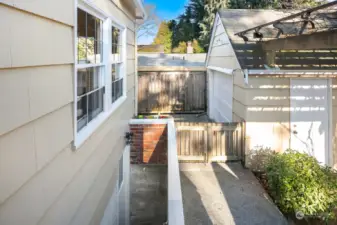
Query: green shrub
x=258, y=158
x=298, y=183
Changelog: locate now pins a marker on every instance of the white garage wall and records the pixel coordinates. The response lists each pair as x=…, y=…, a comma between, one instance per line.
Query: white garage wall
x=220, y=96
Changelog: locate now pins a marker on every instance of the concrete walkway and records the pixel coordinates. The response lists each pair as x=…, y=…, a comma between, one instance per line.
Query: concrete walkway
x=148, y=195
x=223, y=194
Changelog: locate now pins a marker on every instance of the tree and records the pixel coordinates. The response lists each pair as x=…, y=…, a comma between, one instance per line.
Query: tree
x=149, y=26
x=211, y=7
x=164, y=37
x=196, y=47
x=273, y=4
x=186, y=27
x=181, y=48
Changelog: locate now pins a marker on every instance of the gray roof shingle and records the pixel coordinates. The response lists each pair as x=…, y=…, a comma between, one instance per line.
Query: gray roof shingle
x=251, y=55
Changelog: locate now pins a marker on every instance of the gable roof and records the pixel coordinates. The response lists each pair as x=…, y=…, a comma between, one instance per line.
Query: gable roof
x=236, y=20
x=251, y=55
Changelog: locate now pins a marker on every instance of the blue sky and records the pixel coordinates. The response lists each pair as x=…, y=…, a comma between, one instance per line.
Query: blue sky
x=166, y=10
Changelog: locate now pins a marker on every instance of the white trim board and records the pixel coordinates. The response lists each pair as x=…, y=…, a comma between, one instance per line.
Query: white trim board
x=222, y=70
x=217, y=17
x=175, y=209
x=292, y=72
x=142, y=8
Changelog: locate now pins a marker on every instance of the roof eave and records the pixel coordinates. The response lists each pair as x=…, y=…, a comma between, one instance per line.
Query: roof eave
x=140, y=5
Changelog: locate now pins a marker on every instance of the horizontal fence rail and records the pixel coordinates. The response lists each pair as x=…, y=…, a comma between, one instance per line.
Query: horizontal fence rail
x=209, y=142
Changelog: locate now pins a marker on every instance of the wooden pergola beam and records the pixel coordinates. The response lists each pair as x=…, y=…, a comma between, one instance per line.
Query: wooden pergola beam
x=320, y=40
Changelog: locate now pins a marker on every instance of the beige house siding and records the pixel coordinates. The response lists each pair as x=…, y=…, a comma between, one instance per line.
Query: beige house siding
x=32, y=92
x=267, y=104
x=264, y=104
x=42, y=180
x=239, y=96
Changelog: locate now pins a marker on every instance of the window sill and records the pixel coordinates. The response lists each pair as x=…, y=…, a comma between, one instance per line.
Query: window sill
x=86, y=132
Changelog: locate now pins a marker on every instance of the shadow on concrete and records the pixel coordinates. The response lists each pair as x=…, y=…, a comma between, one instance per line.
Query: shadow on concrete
x=247, y=201
x=148, y=195
x=199, y=214
x=225, y=194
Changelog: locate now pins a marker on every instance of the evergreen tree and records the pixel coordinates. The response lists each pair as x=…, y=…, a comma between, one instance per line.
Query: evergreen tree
x=187, y=25
x=181, y=48
x=164, y=37
x=211, y=7
x=196, y=47
x=273, y=4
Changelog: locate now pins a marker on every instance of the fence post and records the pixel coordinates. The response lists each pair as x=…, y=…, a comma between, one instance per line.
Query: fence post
x=243, y=143
x=209, y=141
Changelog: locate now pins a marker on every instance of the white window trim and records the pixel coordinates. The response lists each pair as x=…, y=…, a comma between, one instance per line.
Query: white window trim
x=108, y=108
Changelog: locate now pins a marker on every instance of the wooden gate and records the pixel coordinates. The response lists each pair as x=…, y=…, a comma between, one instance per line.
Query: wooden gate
x=209, y=142
x=172, y=92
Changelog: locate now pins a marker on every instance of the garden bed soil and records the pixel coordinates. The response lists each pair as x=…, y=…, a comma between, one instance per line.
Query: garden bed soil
x=262, y=178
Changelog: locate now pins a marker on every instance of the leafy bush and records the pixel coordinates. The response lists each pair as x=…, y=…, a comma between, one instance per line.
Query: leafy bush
x=298, y=183
x=258, y=158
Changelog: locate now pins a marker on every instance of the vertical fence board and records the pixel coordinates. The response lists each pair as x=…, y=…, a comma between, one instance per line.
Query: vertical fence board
x=170, y=92
x=210, y=141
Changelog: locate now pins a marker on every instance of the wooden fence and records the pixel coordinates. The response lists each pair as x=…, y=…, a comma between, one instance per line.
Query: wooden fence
x=172, y=92
x=207, y=142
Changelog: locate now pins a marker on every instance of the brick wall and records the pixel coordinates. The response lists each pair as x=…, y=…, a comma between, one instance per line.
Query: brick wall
x=149, y=144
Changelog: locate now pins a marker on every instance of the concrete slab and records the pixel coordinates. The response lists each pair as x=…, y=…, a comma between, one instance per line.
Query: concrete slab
x=225, y=194
x=148, y=188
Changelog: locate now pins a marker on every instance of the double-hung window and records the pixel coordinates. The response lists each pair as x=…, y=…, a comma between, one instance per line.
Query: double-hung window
x=99, y=69
x=116, y=58
x=90, y=69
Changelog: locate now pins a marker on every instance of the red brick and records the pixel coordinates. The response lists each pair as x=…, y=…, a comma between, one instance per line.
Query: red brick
x=149, y=144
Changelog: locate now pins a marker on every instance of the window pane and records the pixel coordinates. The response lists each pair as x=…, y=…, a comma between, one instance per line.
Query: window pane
x=91, y=50
x=89, y=38
x=116, y=89
x=81, y=36
x=113, y=72
x=115, y=36
x=119, y=88
x=99, y=30
x=115, y=44
x=82, y=50
x=99, y=41
x=91, y=26
x=113, y=91
x=95, y=103
x=117, y=83
x=88, y=79
x=99, y=51
x=81, y=23
x=82, y=113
